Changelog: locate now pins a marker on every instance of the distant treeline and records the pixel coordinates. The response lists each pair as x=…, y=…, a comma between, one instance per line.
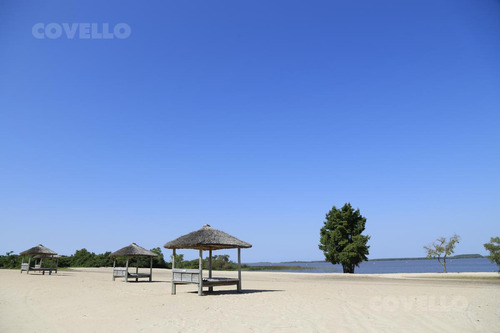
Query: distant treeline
x=84, y=258
x=459, y=256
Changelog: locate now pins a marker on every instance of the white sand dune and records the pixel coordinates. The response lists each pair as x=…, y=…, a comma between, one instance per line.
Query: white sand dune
x=87, y=300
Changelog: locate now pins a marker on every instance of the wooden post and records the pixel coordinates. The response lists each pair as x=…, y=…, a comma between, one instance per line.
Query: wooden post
x=151, y=270
x=51, y=260
x=137, y=269
x=126, y=271
x=200, y=283
x=22, y=262
x=239, y=270
x=210, y=268
x=173, y=266
x=114, y=265
x=29, y=261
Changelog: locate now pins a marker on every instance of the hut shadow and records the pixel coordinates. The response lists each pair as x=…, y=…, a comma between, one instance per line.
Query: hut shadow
x=59, y=274
x=235, y=292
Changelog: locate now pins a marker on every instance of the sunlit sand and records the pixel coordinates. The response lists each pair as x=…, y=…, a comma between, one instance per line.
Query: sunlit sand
x=88, y=300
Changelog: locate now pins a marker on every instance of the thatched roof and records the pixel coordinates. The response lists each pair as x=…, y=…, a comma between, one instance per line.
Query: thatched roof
x=39, y=249
x=207, y=238
x=42, y=256
x=133, y=250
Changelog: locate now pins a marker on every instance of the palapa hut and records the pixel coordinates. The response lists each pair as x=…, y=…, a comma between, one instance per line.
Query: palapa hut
x=40, y=252
x=205, y=239
x=131, y=251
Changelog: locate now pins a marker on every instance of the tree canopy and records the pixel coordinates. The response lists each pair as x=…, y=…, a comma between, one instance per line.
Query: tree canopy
x=494, y=247
x=440, y=249
x=341, y=239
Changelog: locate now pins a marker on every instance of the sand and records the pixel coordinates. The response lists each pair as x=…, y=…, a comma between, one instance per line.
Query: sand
x=87, y=300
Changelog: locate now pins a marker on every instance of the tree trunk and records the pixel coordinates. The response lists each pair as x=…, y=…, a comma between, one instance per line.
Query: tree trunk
x=348, y=268
x=444, y=265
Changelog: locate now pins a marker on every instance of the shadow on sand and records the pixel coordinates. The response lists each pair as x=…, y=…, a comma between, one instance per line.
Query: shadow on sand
x=235, y=292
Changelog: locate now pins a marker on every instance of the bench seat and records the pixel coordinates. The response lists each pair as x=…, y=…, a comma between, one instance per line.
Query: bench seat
x=185, y=276
x=42, y=269
x=122, y=272
x=219, y=282
x=139, y=275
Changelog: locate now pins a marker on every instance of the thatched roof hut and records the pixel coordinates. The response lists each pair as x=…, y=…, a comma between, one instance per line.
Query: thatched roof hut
x=133, y=250
x=40, y=250
x=207, y=238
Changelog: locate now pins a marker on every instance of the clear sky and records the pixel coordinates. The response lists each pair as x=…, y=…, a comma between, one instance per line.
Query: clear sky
x=255, y=117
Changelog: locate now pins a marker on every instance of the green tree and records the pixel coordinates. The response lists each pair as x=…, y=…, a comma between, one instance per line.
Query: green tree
x=159, y=260
x=10, y=260
x=341, y=239
x=494, y=247
x=82, y=258
x=440, y=249
x=179, y=261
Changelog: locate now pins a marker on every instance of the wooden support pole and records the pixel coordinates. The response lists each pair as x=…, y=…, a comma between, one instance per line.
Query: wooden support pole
x=239, y=270
x=210, y=263
x=114, y=265
x=137, y=269
x=51, y=260
x=126, y=271
x=173, y=266
x=200, y=283
x=210, y=268
x=29, y=261
x=151, y=270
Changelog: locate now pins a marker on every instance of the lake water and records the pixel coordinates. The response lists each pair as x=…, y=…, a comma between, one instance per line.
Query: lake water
x=394, y=266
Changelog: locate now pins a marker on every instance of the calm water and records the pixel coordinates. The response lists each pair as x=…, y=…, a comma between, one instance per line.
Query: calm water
x=395, y=266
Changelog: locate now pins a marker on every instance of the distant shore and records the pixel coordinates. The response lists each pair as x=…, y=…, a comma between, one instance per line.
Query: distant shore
x=460, y=256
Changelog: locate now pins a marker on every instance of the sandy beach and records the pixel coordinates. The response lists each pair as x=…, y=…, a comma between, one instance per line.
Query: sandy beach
x=88, y=300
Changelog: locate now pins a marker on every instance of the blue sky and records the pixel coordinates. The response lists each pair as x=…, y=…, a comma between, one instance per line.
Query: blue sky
x=255, y=117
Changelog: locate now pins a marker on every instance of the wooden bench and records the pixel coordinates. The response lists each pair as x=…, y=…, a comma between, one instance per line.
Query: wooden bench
x=220, y=282
x=25, y=267
x=122, y=272
x=187, y=276
x=43, y=269
x=139, y=275
x=119, y=272
x=183, y=276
